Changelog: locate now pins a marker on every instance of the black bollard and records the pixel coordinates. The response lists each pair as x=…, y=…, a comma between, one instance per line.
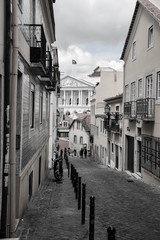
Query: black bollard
x=79, y=193
x=111, y=233
x=83, y=203
x=92, y=218
x=68, y=168
x=76, y=185
x=71, y=176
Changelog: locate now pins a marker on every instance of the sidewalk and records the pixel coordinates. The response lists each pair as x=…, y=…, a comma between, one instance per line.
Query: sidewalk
x=53, y=213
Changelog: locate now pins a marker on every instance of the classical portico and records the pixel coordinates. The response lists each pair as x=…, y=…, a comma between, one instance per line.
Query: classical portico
x=75, y=95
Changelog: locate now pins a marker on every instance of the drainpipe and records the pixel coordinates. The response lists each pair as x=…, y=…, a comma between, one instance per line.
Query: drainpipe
x=5, y=166
x=13, y=104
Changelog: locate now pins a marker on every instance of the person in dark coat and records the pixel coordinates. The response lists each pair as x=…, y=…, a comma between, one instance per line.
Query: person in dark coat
x=85, y=152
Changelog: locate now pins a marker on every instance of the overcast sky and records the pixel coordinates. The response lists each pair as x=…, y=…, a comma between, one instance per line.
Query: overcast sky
x=92, y=32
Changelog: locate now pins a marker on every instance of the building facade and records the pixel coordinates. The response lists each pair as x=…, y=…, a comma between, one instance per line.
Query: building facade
x=110, y=86
x=33, y=83
x=79, y=135
x=75, y=95
x=113, y=124
x=141, y=92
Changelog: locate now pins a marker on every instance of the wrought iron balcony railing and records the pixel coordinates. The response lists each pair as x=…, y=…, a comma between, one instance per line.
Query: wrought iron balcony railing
x=142, y=109
x=146, y=109
x=130, y=109
x=35, y=37
x=115, y=126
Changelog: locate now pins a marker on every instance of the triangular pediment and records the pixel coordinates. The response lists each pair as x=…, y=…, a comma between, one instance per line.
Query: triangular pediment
x=69, y=81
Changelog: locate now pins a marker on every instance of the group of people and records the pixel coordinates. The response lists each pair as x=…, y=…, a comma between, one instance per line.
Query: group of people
x=83, y=151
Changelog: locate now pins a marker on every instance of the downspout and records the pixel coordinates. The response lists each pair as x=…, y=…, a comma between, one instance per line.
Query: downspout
x=13, y=104
x=5, y=167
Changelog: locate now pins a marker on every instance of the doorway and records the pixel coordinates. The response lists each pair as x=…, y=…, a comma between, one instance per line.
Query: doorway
x=139, y=148
x=116, y=157
x=130, y=155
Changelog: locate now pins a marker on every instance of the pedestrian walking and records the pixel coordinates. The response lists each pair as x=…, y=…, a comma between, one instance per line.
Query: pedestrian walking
x=81, y=152
x=65, y=153
x=85, y=152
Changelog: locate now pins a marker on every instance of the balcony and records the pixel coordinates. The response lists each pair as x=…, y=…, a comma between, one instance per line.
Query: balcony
x=130, y=110
x=115, y=126
x=46, y=78
x=34, y=36
x=146, y=109
x=140, y=109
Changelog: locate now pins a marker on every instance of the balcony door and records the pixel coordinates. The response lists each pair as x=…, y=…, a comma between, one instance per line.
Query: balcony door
x=149, y=95
x=130, y=153
x=133, y=97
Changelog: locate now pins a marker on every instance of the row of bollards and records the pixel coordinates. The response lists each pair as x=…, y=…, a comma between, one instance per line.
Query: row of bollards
x=80, y=195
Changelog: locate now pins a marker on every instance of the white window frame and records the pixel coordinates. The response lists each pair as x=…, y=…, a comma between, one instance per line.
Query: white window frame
x=140, y=90
x=41, y=107
x=65, y=124
x=75, y=139
x=117, y=105
x=32, y=105
x=127, y=93
x=158, y=86
x=150, y=40
x=81, y=140
x=134, y=50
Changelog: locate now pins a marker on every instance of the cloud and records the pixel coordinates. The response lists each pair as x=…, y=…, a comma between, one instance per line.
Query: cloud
x=91, y=30
x=86, y=61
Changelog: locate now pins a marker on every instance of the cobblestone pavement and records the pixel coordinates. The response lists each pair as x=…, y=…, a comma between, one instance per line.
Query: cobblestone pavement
x=53, y=213
x=128, y=204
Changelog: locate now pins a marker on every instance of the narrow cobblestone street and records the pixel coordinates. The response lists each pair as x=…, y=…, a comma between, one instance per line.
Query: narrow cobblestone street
x=122, y=201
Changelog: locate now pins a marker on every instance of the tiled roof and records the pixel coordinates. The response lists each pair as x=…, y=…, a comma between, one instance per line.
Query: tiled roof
x=85, y=120
x=153, y=7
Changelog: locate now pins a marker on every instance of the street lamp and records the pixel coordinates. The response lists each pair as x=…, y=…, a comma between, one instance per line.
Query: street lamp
x=107, y=109
x=116, y=116
x=107, y=113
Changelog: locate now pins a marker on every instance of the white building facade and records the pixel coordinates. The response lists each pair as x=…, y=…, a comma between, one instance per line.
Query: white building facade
x=32, y=79
x=110, y=85
x=75, y=95
x=141, y=92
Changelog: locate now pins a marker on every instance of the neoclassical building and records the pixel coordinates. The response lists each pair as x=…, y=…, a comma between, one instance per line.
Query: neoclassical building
x=75, y=95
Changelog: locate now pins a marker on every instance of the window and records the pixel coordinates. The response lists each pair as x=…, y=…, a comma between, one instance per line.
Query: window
x=78, y=125
x=41, y=107
x=86, y=101
x=158, y=85
x=127, y=93
x=112, y=148
x=134, y=50
x=20, y=3
x=47, y=106
x=75, y=139
x=32, y=105
x=157, y=155
x=101, y=125
x=65, y=124
x=77, y=101
x=149, y=86
x=140, y=88
x=81, y=140
x=117, y=107
x=133, y=96
x=150, y=37
x=133, y=90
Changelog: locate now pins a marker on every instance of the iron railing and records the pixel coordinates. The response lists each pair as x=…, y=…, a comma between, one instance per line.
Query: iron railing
x=35, y=37
x=115, y=126
x=151, y=154
x=146, y=108
x=142, y=108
